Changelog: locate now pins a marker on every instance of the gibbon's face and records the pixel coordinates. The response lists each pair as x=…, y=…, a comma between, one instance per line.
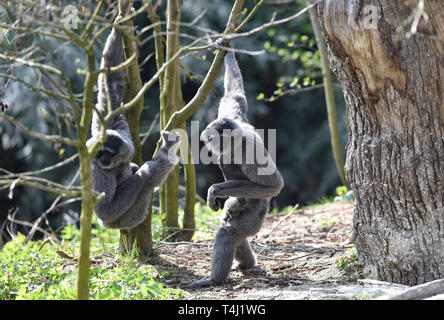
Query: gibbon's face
x=222, y=136
x=109, y=155
x=234, y=206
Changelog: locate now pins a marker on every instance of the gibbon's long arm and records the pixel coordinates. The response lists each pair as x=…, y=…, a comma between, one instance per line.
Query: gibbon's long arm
x=233, y=83
x=112, y=56
x=270, y=187
x=233, y=104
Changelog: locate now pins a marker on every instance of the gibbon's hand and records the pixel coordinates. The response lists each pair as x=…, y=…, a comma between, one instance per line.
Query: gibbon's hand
x=222, y=44
x=212, y=200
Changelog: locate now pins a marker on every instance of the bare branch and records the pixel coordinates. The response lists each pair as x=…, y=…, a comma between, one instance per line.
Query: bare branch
x=248, y=18
x=47, y=169
x=271, y=23
x=150, y=129
x=46, y=91
x=27, y=181
x=54, y=205
x=50, y=138
x=32, y=64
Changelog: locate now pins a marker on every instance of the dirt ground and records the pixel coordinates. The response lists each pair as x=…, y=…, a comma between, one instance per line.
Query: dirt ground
x=297, y=254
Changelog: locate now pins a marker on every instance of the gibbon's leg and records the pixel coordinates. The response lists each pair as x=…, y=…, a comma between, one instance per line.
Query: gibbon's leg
x=126, y=193
x=227, y=238
x=245, y=256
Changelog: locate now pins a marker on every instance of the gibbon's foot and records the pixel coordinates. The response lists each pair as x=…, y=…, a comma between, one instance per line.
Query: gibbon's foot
x=222, y=44
x=246, y=267
x=204, y=282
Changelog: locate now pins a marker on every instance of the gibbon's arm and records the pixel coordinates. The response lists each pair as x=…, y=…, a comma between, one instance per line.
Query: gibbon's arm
x=258, y=187
x=233, y=82
x=241, y=189
x=233, y=104
x=112, y=56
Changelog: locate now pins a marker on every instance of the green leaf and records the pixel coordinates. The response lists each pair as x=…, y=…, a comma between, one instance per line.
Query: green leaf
x=304, y=38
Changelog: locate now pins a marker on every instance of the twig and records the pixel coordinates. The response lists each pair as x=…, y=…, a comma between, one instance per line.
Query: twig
x=48, y=92
x=50, y=138
x=32, y=64
x=31, y=173
x=164, y=243
x=10, y=218
x=292, y=258
x=150, y=129
x=271, y=23
x=51, y=208
x=250, y=15
x=280, y=221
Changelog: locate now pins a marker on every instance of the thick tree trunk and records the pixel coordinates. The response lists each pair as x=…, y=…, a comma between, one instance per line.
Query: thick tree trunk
x=394, y=89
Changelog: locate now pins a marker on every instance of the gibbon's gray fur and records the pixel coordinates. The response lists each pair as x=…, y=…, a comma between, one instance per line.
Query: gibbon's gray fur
x=128, y=189
x=248, y=192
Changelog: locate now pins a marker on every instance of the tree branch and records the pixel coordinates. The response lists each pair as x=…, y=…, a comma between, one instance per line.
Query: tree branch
x=50, y=138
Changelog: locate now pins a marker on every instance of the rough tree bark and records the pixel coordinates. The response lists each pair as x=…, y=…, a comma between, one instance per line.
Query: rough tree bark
x=394, y=88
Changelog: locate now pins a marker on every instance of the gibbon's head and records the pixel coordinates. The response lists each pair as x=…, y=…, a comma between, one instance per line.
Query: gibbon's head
x=115, y=151
x=170, y=145
x=222, y=136
x=234, y=206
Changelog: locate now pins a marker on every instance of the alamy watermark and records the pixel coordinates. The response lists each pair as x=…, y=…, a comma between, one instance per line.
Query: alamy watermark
x=231, y=146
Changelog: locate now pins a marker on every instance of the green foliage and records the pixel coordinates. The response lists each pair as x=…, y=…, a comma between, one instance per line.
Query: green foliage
x=348, y=261
x=291, y=48
x=343, y=194
x=37, y=270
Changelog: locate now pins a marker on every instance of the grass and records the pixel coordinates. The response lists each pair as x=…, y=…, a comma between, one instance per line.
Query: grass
x=348, y=261
x=44, y=271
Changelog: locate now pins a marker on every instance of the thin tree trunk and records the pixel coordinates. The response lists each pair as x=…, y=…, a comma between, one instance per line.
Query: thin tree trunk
x=87, y=208
x=140, y=236
x=160, y=59
x=327, y=76
x=394, y=89
x=190, y=196
x=85, y=160
x=172, y=96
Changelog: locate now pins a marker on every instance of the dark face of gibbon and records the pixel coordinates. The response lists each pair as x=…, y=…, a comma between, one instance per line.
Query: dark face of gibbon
x=220, y=135
x=111, y=154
